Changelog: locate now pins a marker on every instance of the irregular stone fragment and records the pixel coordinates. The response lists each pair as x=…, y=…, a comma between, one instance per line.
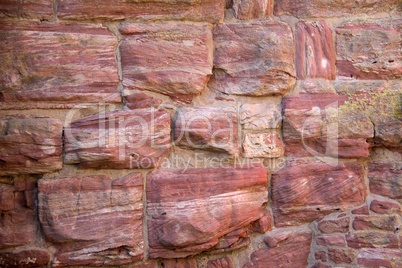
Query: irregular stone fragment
x=262, y=145
x=321, y=255
x=30, y=145
x=372, y=240
x=6, y=197
x=253, y=58
x=292, y=252
x=302, y=193
x=56, y=65
x=124, y=139
x=384, y=207
x=172, y=59
x=252, y=9
x=207, y=128
x=190, y=209
x=225, y=262
x=38, y=9
x=387, y=223
x=334, y=226
x=140, y=101
x=101, y=216
x=378, y=257
x=24, y=258
x=315, y=52
x=369, y=50
x=341, y=255
x=207, y=10
x=261, y=116
x=331, y=240
x=11, y=224
x=332, y=8
x=363, y=210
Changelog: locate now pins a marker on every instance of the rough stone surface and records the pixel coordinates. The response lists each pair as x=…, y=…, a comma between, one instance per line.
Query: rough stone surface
x=302, y=193
x=95, y=220
x=331, y=8
x=24, y=258
x=6, y=197
x=30, y=145
x=260, y=116
x=334, y=226
x=140, y=101
x=178, y=263
x=189, y=210
x=372, y=240
x=292, y=251
x=379, y=257
x=331, y=240
x=172, y=59
x=315, y=52
x=208, y=10
x=341, y=255
x=369, y=50
x=56, y=65
x=253, y=58
x=11, y=224
x=124, y=139
x=207, y=128
x=262, y=145
x=388, y=223
x=385, y=207
x=225, y=262
x=38, y=9
x=252, y=9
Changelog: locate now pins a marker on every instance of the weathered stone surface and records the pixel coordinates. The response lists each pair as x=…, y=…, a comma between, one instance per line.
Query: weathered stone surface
x=178, y=263
x=266, y=145
x=56, y=65
x=261, y=116
x=331, y=240
x=38, y=9
x=320, y=265
x=320, y=255
x=372, y=240
x=331, y=8
x=384, y=207
x=30, y=145
x=302, y=193
x=290, y=252
x=140, y=101
x=95, y=220
x=324, y=125
x=207, y=128
x=123, y=139
x=264, y=224
x=253, y=58
x=378, y=257
x=6, y=197
x=11, y=224
x=24, y=258
x=385, y=178
x=189, y=210
x=334, y=226
x=252, y=9
x=315, y=52
x=341, y=255
x=369, y=50
x=225, y=262
x=385, y=223
x=207, y=10
x=172, y=59
x=363, y=210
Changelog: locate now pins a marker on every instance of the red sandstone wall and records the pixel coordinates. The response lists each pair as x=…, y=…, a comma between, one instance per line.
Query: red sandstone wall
x=244, y=133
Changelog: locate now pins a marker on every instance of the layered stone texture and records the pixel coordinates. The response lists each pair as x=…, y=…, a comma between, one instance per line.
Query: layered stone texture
x=252, y=9
x=25, y=258
x=123, y=139
x=261, y=116
x=286, y=248
x=56, y=65
x=225, y=262
x=209, y=10
x=38, y=9
x=330, y=8
x=195, y=210
x=303, y=192
x=30, y=145
x=265, y=145
x=253, y=58
x=370, y=240
x=315, y=52
x=207, y=128
x=140, y=101
x=93, y=220
x=183, y=53
x=369, y=50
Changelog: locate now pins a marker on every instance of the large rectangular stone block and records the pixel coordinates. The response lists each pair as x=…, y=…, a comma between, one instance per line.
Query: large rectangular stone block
x=36, y=9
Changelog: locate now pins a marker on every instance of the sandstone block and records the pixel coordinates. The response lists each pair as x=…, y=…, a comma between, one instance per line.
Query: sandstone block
x=38, y=9
x=56, y=65
x=225, y=262
x=24, y=258
x=384, y=207
x=252, y=9
x=253, y=58
x=11, y=224
x=334, y=226
x=101, y=216
x=261, y=116
x=331, y=240
x=167, y=58
x=385, y=179
x=386, y=223
x=6, y=197
x=141, y=101
x=30, y=145
x=378, y=257
x=178, y=263
x=123, y=139
x=190, y=210
x=207, y=128
x=341, y=255
x=265, y=145
x=372, y=240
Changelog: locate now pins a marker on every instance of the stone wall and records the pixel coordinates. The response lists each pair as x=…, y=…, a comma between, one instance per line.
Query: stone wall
x=190, y=133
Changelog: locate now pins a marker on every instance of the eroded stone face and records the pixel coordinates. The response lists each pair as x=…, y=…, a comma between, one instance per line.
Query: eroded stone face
x=124, y=139
x=196, y=210
x=101, y=216
x=30, y=145
x=252, y=9
x=38, y=9
x=253, y=58
x=261, y=116
x=265, y=145
x=56, y=65
x=168, y=58
x=24, y=258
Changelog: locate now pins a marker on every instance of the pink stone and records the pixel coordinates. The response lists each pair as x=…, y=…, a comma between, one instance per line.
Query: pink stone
x=24, y=258
x=252, y=9
x=123, y=139
x=38, y=9
x=315, y=52
x=387, y=223
x=6, y=197
x=321, y=255
x=225, y=262
x=11, y=224
x=95, y=220
x=140, y=101
x=30, y=145
x=341, y=255
x=178, y=263
x=385, y=179
x=384, y=207
x=191, y=209
x=331, y=240
x=372, y=240
x=363, y=210
x=253, y=58
x=378, y=257
x=334, y=226
x=167, y=58
x=265, y=145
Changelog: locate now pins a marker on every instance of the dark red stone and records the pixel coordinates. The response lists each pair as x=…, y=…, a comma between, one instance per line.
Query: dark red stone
x=140, y=101
x=11, y=224
x=334, y=226
x=382, y=223
x=341, y=255
x=384, y=207
x=321, y=255
x=385, y=179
